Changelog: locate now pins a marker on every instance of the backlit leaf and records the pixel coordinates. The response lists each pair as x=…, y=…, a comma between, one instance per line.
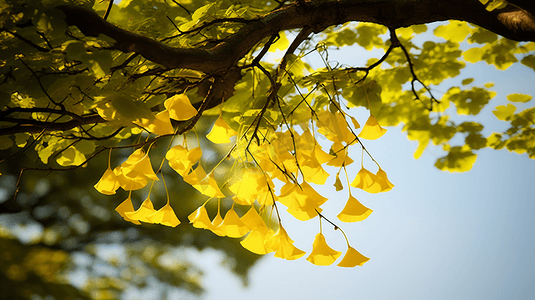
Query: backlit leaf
x=180, y=107
x=503, y=112
x=322, y=254
x=458, y=159
x=519, y=98
x=455, y=31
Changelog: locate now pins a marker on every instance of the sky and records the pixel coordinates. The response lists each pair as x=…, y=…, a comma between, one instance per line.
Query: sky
x=436, y=235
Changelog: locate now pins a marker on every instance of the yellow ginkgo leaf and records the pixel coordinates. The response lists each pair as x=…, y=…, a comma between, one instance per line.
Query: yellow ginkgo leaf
x=232, y=225
x=334, y=127
x=366, y=181
x=311, y=168
x=253, y=184
x=200, y=219
x=283, y=246
x=305, y=142
x=71, y=157
x=252, y=219
x=206, y=184
x=182, y=159
x=256, y=240
x=108, y=183
x=124, y=207
x=352, y=258
x=221, y=132
x=134, y=172
x=372, y=183
x=321, y=155
x=322, y=254
x=372, y=130
x=342, y=158
x=302, y=200
x=141, y=167
x=180, y=107
x=160, y=125
x=165, y=216
x=216, y=225
x=386, y=185
x=355, y=122
x=354, y=211
x=267, y=198
x=133, y=158
x=338, y=183
x=347, y=136
x=146, y=209
x=127, y=183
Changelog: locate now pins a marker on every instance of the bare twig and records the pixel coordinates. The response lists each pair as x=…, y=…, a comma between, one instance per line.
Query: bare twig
x=41, y=85
x=414, y=77
x=27, y=41
x=108, y=10
x=182, y=6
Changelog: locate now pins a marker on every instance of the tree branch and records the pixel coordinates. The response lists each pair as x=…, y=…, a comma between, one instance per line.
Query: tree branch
x=37, y=126
x=511, y=22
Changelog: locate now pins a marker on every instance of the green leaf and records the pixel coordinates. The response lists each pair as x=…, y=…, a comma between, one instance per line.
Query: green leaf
x=423, y=141
x=420, y=28
x=5, y=142
x=467, y=81
x=48, y=145
x=470, y=127
x=21, y=139
x=455, y=31
x=475, y=140
x=495, y=141
x=458, y=159
x=369, y=35
x=345, y=36
x=474, y=55
x=71, y=157
x=131, y=109
x=367, y=94
x=482, y=36
x=85, y=146
x=519, y=98
x=529, y=61
x=201, y=11
x=469, y=102
x=504, y=113
x=338, y=183
x=281, y=43
x=496, y=4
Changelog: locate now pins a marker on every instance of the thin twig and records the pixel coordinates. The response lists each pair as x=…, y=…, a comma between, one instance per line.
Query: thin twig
x=41, y=85
x=182, y=6
x=27, y=41
x=108, y=10
x=415, y=78
x=322, y=216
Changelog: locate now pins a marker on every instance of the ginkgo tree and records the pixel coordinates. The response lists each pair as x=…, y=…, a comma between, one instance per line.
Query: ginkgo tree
x=81, y=79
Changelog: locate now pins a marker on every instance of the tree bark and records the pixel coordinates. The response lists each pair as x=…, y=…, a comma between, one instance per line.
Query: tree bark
x=511, y=22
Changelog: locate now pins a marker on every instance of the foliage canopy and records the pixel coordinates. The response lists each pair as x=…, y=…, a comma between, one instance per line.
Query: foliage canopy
x=230, y=95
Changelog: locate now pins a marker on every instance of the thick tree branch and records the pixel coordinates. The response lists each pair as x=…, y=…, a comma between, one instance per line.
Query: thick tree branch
x=37, y=126
x=511, y=22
